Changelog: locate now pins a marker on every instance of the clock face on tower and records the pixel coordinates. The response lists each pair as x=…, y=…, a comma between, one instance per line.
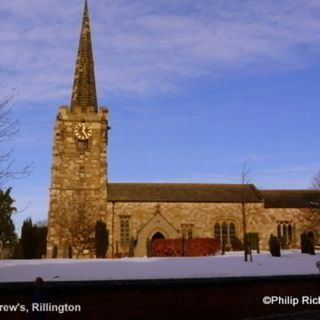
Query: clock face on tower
x=82, y=131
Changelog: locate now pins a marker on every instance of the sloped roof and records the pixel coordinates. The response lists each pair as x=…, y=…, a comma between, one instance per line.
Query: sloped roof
x=291, y=198
x=182, y=192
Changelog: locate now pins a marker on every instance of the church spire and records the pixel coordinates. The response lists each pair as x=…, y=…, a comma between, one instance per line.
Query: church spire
x=84, y=97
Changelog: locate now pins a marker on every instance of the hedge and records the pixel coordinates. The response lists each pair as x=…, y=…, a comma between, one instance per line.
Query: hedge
x=180, y=247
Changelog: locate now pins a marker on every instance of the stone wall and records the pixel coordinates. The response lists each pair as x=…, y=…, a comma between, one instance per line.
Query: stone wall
x=148, y=218
x=268, y=220
x=78, y=180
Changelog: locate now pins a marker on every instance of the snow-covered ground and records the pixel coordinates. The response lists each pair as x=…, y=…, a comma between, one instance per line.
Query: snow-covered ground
x=291, y=262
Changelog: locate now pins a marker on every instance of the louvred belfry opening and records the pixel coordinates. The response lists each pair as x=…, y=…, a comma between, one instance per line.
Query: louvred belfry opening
x=84, y=97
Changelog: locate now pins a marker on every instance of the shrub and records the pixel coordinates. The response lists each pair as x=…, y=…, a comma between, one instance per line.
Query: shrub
x=303, y=240
x=28, y=239
x=236, y=244
x=311, y=247
x=18, y=251
x=253, y=240
x=167, y=247
x=101, y=239
x=33, y=240
x=202, y=247
x=193, y=247
x=307, y=244
x=274, y=246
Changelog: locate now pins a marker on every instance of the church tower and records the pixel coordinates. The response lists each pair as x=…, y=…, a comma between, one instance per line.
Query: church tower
x=78, y=190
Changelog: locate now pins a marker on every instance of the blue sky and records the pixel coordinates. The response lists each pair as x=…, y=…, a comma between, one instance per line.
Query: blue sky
x=194, y=88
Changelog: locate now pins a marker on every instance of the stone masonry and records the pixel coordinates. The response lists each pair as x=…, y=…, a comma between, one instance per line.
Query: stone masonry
x=202, y=216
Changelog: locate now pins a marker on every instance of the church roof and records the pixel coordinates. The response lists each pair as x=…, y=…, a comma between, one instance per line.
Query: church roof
x=182, y=192
x=197, y=192
x=291, y=198
x=84, y=97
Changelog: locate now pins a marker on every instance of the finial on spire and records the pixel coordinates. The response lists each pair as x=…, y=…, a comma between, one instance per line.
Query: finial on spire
x=84, y=97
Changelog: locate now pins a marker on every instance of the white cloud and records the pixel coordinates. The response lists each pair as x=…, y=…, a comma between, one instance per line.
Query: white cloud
x=144, y=48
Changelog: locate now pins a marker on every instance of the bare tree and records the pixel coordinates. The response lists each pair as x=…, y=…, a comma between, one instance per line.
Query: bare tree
x=245, y=179
x=314, y=204
x=76, y=219
x=316, y=181
x=8, y=129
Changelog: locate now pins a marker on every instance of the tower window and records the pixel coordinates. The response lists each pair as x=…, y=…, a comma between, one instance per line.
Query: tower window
x=82, y=146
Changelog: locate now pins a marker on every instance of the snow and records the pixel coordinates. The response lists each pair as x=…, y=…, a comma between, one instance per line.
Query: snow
x=292, y=262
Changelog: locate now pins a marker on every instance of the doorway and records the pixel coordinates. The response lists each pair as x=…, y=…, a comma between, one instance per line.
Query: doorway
x=157, y=235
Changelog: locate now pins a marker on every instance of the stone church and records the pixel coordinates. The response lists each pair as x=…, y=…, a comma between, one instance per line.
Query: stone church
x=80, y=193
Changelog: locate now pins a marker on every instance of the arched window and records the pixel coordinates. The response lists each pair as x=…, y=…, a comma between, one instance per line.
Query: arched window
x=289, y=232
x=225, y=232
x=232, y=232
x=279, y=231
x=286, y=231
x=217, y=231
x=157, y=235
x=124, y=230
x=187, y=230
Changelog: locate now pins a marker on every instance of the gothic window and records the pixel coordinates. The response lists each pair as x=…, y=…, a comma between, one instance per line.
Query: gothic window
x=187, y=231
x=225, y=232
x=286, y=231
x=157, y=235
x=232, y=231
x=217, y=231
x=279, y=231
x=124, y=230
x=290, y=232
